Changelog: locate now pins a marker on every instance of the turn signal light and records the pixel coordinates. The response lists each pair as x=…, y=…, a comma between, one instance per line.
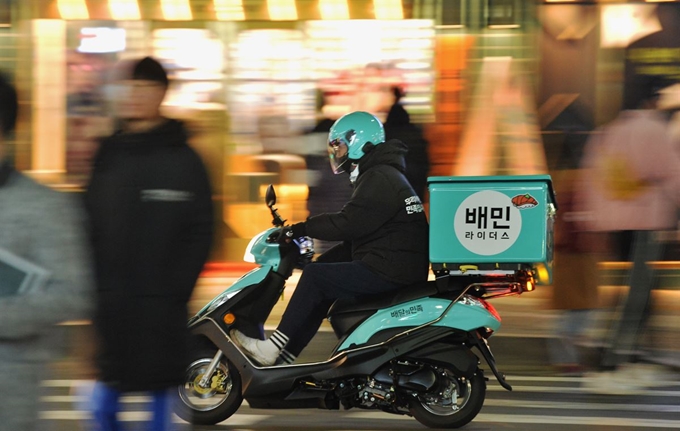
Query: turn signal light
x=229, y=318
x=529, y=286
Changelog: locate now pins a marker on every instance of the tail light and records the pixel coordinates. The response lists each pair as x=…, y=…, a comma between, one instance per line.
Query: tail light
x=490, y=308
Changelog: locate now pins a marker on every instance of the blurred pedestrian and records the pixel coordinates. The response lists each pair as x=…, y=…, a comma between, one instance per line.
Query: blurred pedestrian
x=149, y=200
x=327, y=192
x=398, y=125
x=45, y=228
x=669, y=102
x=632, y=173
x=575, y=277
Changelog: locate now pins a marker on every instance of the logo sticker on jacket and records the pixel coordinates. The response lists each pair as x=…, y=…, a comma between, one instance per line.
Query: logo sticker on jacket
x=166, y=195
x=413, y=205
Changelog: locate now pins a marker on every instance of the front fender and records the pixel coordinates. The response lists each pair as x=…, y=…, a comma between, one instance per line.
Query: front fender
x=255, y=276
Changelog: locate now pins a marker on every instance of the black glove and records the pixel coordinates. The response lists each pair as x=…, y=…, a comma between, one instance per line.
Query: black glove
x=299, y=229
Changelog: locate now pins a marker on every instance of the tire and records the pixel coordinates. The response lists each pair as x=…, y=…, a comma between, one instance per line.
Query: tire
x=438, y=409
x=212, y=405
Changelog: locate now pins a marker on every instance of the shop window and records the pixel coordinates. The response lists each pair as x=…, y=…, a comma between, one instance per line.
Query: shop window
x=452, y=12
x=503, y=13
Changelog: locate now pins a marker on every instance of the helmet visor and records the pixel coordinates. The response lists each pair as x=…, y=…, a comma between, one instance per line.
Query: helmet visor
x=338, y=153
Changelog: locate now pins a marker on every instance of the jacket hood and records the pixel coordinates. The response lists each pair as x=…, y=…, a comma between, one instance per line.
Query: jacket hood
x=170, y=133
x=392, y=152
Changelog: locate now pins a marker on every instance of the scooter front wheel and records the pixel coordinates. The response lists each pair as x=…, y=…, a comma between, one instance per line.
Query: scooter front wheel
x=218, y=400
x=453, y=403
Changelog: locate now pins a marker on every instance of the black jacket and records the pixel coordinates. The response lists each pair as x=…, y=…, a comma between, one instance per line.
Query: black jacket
x=384, y=220
x=150, y=206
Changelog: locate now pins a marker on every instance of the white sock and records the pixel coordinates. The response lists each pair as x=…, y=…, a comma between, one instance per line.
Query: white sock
x=279, y=339
x=287, y=357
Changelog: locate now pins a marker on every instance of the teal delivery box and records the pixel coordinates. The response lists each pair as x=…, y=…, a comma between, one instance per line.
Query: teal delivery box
x=493, y=222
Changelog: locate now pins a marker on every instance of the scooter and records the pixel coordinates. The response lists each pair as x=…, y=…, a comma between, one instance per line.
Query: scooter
x=408, y=353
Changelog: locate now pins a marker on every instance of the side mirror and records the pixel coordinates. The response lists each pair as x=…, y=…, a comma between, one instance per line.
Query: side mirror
x=270, y=196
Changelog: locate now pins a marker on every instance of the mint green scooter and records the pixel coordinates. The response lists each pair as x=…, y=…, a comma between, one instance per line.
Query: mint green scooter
x=415, y=352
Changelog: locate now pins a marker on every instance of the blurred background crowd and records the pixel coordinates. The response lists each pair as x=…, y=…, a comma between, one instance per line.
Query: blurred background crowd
x=474, y=87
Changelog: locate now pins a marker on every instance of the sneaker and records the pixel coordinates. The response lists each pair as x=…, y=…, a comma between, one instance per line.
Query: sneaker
x=611, y=383
x=251, y=346
x=649, y=375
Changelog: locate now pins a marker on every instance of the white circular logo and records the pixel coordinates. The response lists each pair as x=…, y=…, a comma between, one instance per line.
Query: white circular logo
x=487, y=223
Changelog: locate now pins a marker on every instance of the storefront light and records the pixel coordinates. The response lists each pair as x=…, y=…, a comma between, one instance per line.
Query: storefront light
x=229, y=10
x=176, y=10
x=282, y=10
x=623, y=24
x=124, y=10
x=73, y=9
x=334, y=9
x=101, y=40
x=388, y=9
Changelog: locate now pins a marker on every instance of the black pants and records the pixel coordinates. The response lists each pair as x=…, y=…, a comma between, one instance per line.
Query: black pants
x=319, y=286
x=624, y=338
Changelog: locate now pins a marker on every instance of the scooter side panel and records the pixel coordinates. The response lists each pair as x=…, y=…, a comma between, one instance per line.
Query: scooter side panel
x=419, y=312
x=254, y=276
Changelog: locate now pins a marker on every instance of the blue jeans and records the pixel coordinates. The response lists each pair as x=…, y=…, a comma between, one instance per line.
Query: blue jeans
x=623, y=340
x=106, y=405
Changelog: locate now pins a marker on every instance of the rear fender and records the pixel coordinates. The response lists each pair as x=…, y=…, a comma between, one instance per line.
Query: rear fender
x=458, y=357
x=464, y=316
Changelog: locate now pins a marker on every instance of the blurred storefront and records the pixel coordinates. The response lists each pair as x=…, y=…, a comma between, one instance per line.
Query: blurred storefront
x=246, y=76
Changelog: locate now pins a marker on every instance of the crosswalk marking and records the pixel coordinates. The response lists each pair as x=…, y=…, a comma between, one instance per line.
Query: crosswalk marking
x=568, y=405
x=64, y=403
x=545, y=419
x=489, y=402
x=576, y=390
x=240, y=420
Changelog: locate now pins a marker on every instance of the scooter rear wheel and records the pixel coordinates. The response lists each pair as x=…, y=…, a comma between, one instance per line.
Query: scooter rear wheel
x=453, y=403
x=214, y=404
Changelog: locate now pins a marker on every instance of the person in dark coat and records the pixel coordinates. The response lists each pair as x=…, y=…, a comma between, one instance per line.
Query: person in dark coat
x=384, y=232
x=398, y=125
x=150, y=206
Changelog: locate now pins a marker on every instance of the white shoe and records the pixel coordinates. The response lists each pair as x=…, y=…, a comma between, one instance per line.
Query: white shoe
x=611, y=383
x=649, y=375
x=253, y=347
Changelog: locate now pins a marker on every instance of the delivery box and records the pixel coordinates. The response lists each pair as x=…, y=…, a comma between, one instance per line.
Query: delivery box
x=492, y=222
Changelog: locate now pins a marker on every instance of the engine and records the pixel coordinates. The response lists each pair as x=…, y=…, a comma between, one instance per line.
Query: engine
x=383, y=390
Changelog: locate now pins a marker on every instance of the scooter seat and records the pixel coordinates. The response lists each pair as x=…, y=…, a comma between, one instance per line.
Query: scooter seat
x=346, y=313
x=383, y=300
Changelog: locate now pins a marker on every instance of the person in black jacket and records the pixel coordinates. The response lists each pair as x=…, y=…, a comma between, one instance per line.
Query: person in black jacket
x=398, y=125
x=384, y=232
x=150, y=206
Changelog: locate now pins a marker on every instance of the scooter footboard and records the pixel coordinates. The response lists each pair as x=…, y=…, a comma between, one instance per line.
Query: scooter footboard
x=460, y=358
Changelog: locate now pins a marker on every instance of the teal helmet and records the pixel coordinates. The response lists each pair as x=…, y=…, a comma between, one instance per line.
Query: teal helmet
x=348, y=138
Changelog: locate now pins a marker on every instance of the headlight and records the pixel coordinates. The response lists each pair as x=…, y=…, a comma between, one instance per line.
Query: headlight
x=219, y=300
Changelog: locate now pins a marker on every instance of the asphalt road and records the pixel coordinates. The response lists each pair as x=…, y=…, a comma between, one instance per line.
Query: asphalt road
x=540, y=399
x=536, y=403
